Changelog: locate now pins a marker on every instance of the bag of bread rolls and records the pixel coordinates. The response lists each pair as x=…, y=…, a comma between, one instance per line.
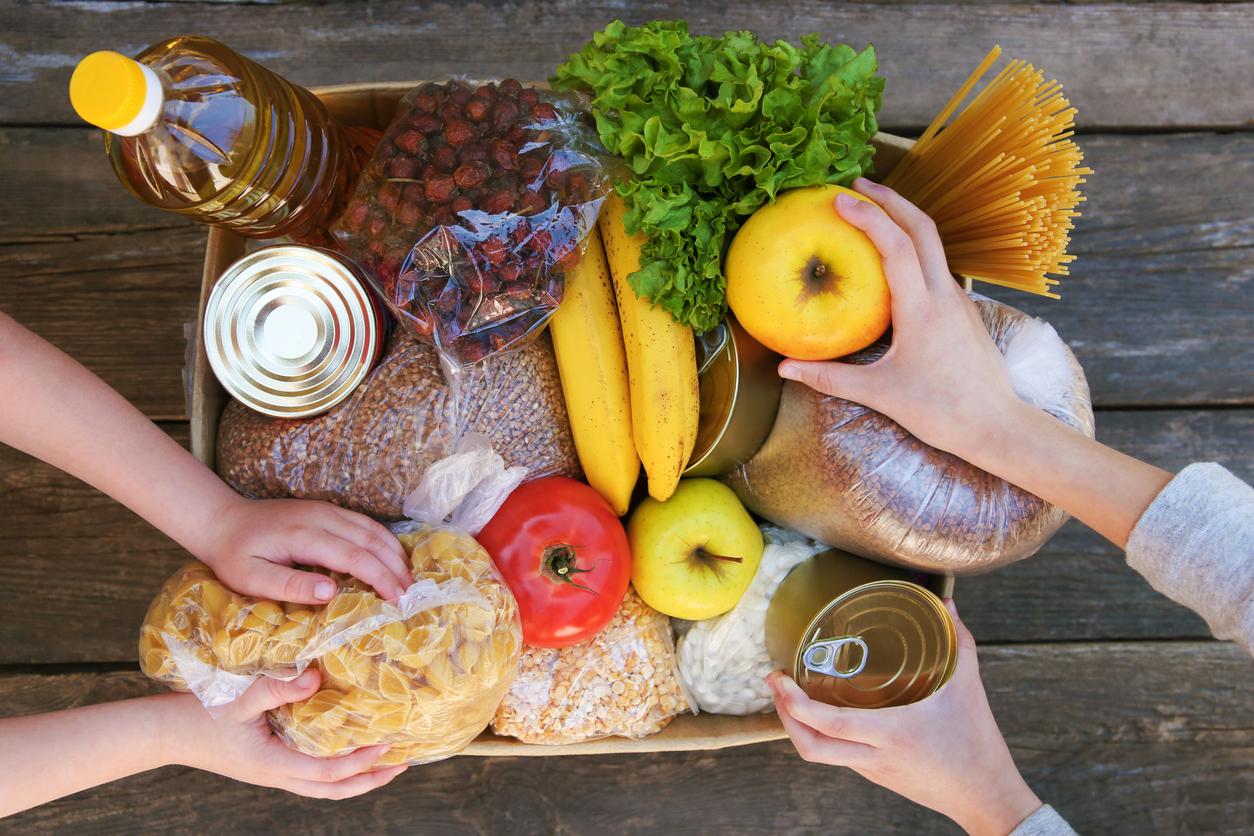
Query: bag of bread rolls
x=854, y=479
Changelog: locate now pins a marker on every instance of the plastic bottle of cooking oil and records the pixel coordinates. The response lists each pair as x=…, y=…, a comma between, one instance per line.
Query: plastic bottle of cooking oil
x=196, y=128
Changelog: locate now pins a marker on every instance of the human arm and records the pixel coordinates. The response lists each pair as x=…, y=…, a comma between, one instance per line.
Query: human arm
x=47, y=756
x=960, y=398
x=944, y=752
x=944, y=380
x=58, y=411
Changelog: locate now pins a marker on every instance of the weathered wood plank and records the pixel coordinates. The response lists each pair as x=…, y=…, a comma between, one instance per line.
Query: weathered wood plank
x=1158, y=309
x=1079, y=586
x=1172, y=753
x=1155, y=65
x=77, y=571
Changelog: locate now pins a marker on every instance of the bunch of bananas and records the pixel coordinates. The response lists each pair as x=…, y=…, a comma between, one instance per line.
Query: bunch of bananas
x=629, y=371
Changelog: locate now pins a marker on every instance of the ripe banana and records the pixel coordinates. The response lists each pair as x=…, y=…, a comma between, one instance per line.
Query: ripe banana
x=661, y=364
x=593, y=367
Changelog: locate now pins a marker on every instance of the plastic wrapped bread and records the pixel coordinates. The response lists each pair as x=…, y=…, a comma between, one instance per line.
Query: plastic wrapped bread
x=854, y=479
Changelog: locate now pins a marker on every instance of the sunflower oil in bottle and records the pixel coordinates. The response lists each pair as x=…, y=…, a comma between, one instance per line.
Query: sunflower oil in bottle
x=195, y=128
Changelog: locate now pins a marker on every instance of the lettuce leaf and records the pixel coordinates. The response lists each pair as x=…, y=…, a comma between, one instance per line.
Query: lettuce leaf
x=711, y=129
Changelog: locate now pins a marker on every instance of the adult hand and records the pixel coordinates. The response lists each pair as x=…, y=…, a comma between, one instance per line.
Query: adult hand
x=240, y=744
x=942, y=379
x=257, y=542
x=944, y=752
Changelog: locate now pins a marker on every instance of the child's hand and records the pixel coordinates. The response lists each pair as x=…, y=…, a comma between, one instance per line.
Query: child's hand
x=944, y=752
x=240, y=744
x=942, y=379
x=256, y=542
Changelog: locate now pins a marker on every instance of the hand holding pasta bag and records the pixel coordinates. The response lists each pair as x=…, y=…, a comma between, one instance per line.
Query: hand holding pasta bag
x=424, y=675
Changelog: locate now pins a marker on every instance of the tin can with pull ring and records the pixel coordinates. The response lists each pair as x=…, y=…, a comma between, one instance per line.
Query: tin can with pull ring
x=856, y=633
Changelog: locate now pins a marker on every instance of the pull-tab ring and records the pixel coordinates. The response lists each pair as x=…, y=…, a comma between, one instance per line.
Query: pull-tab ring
x=820, y=657
x=711, y=345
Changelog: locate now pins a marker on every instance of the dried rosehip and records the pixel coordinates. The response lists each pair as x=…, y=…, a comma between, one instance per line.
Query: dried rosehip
x=544, y=111
x=459, y=132
x=578, y=186
x=443, y=216
x=376, y=227
x=429, y=124
x=498, y=202
x=477, y=109
x=409, y=215
x=532, y=202
x=356, y=215
x=470, y=175
x=411, y=142
x=510, y=87
x=462, y=203
x=510, y=272
x=540, y=241
x=424, y=103
x=439, y=188
x=504, y=114
x=486, y=92
x=528, y=97
x=389, y=196
x=458, y=92
x=413, y=193
x=494, y=250
x=445, y=158
x=530, y=166
x=503, y=154
x=557, y=179
x=473, y=152
x=403, y=167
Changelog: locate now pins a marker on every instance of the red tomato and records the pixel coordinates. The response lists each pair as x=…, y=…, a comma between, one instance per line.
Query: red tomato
x=565, y=557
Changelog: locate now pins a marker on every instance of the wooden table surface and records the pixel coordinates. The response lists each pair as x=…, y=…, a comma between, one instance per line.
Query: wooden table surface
x=1118, y=706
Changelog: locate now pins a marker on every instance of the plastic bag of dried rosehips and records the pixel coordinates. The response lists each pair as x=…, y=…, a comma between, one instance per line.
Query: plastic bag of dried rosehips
x=478, y=198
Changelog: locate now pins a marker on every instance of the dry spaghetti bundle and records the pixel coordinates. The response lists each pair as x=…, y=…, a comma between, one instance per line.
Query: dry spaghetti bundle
x=1002, y=179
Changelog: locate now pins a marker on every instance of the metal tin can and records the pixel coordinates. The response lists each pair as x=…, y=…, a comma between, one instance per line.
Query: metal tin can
x=856, y=633
x=740, y=391
x=291, y=330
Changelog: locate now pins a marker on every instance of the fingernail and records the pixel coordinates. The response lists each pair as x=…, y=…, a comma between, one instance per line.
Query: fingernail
x=844, y=201
x=788, y=371
x=324, y=591
x=306, y=679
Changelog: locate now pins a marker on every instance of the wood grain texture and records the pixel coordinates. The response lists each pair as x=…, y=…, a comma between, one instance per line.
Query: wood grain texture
x=1158, y=309
x=1173, y=753
x=77, y=571
x=1143, y=65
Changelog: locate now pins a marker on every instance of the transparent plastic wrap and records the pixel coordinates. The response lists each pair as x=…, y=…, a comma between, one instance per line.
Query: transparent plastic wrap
x=620, y=683
x=424, y=675
x=852, y=478
x=723, y=661
x=477, y=200
x=369, y=452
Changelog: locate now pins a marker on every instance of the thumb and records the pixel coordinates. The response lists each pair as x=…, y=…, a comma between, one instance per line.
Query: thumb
x=843, y=380
x=268, y=693
x=283, y=583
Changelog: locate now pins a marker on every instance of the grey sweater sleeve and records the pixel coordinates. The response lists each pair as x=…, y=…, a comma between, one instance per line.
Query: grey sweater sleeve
x=1195, y=544
x=1044, y=822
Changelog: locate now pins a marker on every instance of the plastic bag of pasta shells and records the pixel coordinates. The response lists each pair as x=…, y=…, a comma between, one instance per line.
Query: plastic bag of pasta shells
x=854, y=479
x=370, y=451
x=424, y=675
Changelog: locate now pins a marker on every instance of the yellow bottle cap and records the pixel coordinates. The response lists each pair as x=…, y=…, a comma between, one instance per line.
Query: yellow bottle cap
x=108, y=90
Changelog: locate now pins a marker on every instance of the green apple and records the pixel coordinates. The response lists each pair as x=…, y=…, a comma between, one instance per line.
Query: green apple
x=695, y=554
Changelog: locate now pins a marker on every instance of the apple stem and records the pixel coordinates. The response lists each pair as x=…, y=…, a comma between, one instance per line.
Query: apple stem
x=702, y=553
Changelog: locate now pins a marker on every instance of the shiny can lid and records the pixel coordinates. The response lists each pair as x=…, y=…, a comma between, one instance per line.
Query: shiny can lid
x=290, y=330
x=880, y=644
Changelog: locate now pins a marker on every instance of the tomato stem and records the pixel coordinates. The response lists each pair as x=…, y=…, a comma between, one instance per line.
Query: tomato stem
x=560, y=563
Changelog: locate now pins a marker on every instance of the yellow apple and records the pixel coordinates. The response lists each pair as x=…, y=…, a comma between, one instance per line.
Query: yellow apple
x=695, y=554
x=805, y=282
